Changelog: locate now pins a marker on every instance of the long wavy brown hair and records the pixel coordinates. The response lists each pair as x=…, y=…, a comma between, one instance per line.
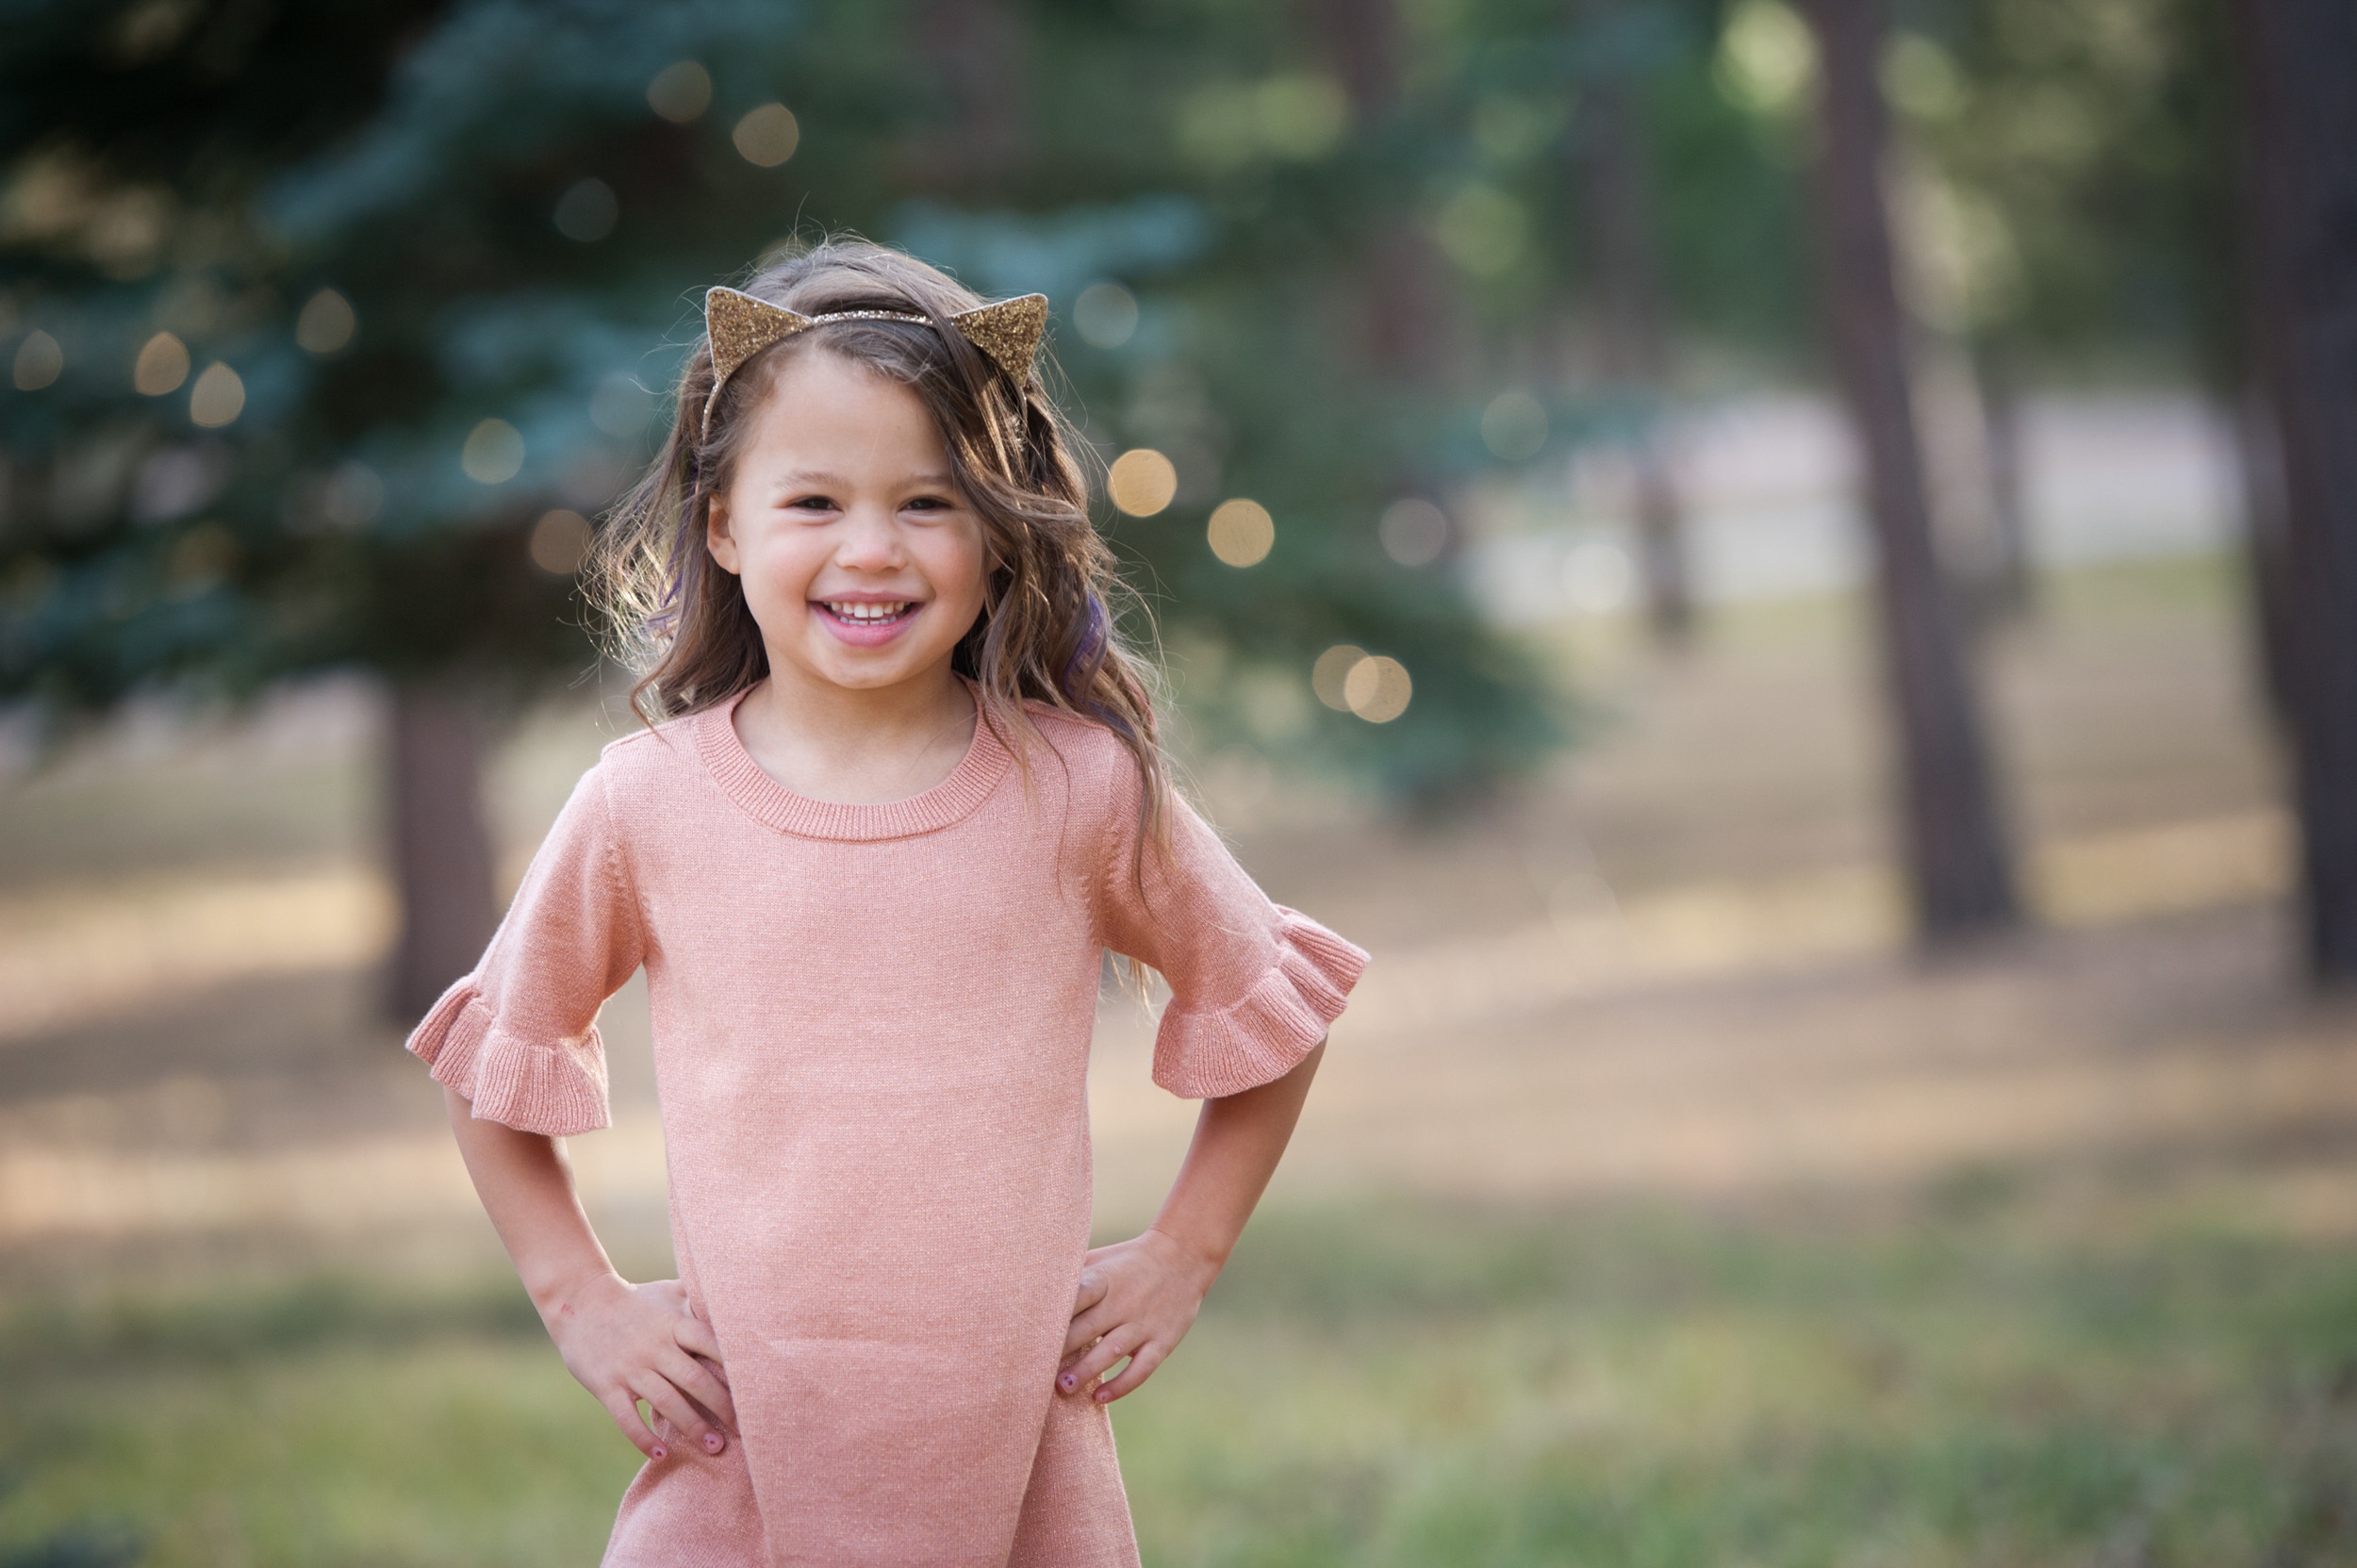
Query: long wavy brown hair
x=1048, y=633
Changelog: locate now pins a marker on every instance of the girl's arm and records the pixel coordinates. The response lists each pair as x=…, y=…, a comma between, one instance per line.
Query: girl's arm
x=1138, y=1299
x=623, y=1342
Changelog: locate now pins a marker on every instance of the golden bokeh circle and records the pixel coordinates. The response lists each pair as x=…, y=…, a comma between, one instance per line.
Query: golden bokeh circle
x=560, y=541
x=1377, y=689
x=39, y=360
x=218, y=398
x=162, y=365
x=1326, y=676
x=767, y=135
x=494, y=452
x=326, y=323
x=1142, y=481
x=680, y=91
x=1242, y=532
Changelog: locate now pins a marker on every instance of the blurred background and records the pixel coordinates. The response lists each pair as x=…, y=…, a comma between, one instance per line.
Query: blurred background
x=1791, y=570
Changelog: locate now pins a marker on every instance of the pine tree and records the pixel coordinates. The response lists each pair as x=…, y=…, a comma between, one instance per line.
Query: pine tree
x=432, y=266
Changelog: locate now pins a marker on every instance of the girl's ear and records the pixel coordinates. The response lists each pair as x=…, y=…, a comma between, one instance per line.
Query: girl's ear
x=718, y=539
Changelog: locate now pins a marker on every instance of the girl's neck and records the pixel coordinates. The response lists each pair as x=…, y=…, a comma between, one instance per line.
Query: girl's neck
x=857, y=746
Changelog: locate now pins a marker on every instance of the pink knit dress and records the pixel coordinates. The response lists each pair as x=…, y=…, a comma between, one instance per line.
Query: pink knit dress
x=872, y=1042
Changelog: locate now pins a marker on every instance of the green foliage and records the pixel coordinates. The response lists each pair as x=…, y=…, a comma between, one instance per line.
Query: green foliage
x=521, y=237
x=2091, y=152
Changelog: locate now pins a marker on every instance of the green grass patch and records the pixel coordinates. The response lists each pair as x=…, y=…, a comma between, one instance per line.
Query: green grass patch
x=1369, y=1385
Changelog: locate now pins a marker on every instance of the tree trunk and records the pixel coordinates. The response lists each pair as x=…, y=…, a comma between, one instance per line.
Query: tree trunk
x=2013, y=580
x=2259, y=466
x=1628, y=306
x=2298, y=56
x=1406, y=327
x=441, y=849
x=976, y=51
x=1959, y=878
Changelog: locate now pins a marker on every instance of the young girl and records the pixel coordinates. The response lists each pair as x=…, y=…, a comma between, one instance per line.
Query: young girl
x=903, y=794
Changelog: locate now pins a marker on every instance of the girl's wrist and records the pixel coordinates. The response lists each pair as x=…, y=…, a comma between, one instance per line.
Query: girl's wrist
x=1203, y=1259
x=561, y=1295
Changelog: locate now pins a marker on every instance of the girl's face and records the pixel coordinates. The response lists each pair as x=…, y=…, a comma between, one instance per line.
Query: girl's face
x=861, y=562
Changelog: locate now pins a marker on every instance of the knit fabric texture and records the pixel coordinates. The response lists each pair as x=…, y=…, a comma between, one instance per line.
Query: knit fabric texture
x=871, y=1042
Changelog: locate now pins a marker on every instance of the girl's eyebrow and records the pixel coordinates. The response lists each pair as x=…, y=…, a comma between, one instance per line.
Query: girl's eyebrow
x=815, y=479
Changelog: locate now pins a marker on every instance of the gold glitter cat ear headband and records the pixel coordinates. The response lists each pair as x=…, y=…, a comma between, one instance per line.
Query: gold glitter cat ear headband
x=741, y=326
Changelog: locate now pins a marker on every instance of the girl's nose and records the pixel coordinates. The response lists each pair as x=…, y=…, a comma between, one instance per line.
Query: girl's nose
x=869, y=543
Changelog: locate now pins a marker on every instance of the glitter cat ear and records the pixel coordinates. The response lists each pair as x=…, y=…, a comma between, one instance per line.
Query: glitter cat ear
x=1008, y=332
x=741, y=326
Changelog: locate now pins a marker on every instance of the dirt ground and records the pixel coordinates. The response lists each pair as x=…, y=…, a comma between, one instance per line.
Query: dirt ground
x=1672, y=969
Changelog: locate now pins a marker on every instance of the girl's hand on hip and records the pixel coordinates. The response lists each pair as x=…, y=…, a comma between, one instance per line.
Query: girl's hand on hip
x=625, y=1343
x=1137, y=1300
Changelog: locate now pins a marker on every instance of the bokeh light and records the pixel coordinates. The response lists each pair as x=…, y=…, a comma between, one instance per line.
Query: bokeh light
x=1106, y=314
x=1767, y=58
x=1142, y=481
x=560, y=541
x=588, y=211
x=353, y=496
x=1302, y=115
x=1483, y=230
x=161, y=367
x=1598, y=578
x=494, y=452
x=39, y=361
x=767, y=135
x=1326, y=676
x=1242, y=532
x=326, y=323
x=218, y=397
x=1377, y=689
x=681, y=91
x=1514, y=426
x=1413, y=531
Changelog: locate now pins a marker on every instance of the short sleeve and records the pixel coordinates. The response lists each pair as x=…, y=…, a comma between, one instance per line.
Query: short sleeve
x=1254, y=986
x=518, y=1036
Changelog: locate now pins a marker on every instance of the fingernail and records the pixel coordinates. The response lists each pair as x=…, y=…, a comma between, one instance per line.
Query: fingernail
x=659, y=1452
x=712, y=1441
x=1104, y=1397
x=1069, y=1382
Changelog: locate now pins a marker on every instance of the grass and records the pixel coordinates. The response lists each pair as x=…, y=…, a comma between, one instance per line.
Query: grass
x=1372, y=1385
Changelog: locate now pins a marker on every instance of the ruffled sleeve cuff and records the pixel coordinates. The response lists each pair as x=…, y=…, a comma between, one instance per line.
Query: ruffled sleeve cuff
x=1202, y=1053
x=555, y=1088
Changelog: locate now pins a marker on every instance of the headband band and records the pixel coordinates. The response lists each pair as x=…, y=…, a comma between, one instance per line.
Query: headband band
x=741, y=326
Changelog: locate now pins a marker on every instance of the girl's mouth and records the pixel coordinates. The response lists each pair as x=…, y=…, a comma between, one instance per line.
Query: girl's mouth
x=866, y=623
x=858, y=614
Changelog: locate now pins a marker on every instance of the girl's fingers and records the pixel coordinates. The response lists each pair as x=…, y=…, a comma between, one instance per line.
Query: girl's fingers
x=622, y=1406
x=1088, y=1328
x=695, y=1336
x=688, y=1374
x=1105, y=1352
x=686, y=1421
x=1141, y=1367
x=1094, y=1288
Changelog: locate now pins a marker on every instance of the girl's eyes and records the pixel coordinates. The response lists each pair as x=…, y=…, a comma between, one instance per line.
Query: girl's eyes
x=827, y=503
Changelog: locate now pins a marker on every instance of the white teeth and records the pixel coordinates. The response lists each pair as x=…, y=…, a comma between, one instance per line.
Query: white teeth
x=865, y=612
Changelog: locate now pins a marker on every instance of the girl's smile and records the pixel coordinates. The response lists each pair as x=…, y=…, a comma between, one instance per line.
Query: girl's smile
x=863, y=620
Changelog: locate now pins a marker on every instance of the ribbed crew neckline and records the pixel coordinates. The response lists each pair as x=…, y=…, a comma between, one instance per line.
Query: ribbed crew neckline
x=770, y=803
